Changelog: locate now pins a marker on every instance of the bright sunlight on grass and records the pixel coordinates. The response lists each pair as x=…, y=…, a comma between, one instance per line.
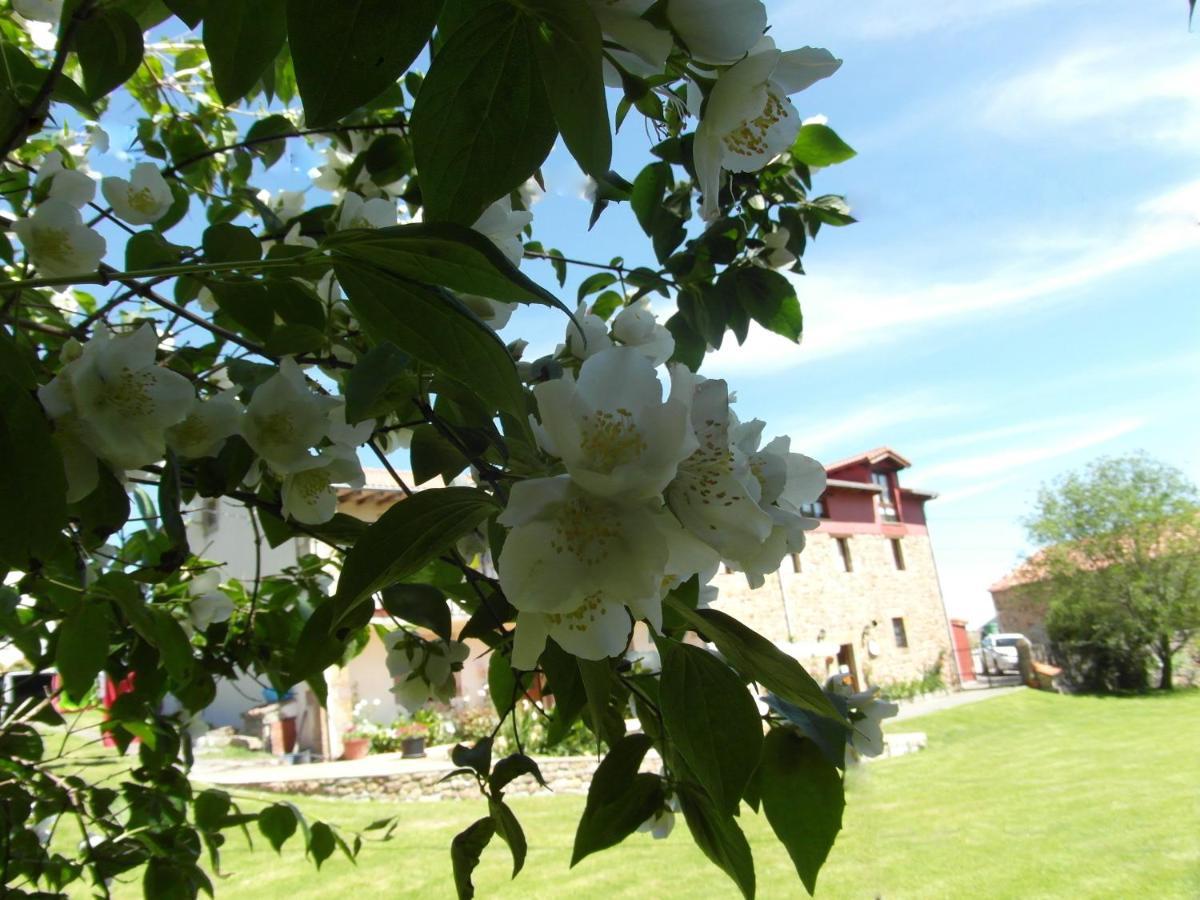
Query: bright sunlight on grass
x=1027, y=795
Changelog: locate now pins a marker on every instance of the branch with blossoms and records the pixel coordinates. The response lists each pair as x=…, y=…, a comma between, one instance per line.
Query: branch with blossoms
x=208, y=336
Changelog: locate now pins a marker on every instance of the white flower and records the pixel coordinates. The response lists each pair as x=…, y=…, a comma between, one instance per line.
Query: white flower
x=718, y=31
x=359, y=213
x=114, y=402
x=775, y=254
x=71, y=185
x=715, y=495
x=142, y=200
x=208, y=604
x=286, y=205
x=662, y=822
x=57, y=241
x=493, y=313
x=646, y=47
x=587, y=335
x=309, y=495
x=422, y=670
x=39, y=10
x=612, y=429
x=635, y=326
x=502, y=225
x=284, y=419
x=572, y=563
x=866, y=716
x=749, y=120
x=208, y=424
x=342, y=432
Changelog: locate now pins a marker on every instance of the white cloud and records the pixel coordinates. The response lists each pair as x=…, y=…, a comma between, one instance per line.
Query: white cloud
x=888, y=21
x=867, y=426
x=849, y=312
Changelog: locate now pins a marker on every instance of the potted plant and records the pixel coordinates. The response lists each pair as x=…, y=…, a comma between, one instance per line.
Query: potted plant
x=356, y=743
x=412, y=739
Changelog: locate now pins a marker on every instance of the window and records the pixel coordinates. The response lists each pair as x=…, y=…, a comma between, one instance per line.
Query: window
x=887, y=506
x=844, y=549
x=899, y=632
x=898, y=554
x=795, y=562
x=814, y=510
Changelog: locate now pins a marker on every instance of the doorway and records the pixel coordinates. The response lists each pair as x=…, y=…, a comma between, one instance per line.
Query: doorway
x=846, y=665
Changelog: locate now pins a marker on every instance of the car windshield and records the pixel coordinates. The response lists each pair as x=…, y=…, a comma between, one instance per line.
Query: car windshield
x=1006, y=642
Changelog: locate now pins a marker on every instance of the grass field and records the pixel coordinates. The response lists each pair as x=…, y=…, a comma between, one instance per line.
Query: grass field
x=1028, y=795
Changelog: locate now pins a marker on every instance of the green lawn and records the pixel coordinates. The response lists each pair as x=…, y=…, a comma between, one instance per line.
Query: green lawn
x=1028, y=795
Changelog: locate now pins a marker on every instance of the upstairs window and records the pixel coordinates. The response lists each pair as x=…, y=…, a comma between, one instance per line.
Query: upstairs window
x=844, y=549
x=887, y=506
x=814, y=510
x=898, y=554
x=899, y=632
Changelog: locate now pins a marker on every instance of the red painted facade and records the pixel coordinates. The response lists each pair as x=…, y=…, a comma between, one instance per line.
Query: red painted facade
x=865, y=496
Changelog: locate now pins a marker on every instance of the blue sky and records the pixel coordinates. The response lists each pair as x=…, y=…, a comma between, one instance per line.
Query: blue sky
x=1022, y=292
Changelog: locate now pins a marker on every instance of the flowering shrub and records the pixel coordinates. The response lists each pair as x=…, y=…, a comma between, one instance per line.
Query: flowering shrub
x=249, y=345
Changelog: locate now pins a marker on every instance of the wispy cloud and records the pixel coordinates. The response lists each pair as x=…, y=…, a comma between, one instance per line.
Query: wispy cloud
x=869, y=425
x=847, y=312
x=880, y=21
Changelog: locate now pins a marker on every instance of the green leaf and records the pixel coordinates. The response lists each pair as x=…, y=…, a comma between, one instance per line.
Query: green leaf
x=407, y=536
x=510, y=768
x=717, y=834
x=21, y=741
x=505, y=684
x=803, y=799
x=598, y=683
x=465, y=850
x=478, y=757
x=277, y=823
x=433, y=456
x=711, y=719
x=482, y=123
x=242, y=38
x=757, y=658
x=419, y=604
x=442, y=255
x=225, y=243
x=436, y=329
x=210, y=809
x=103, y=511
x=246, y=302
x=264, y=133
x=594, y=283
x=109, y=45
x=190, y=11
x=321, y=842
x=569, y=49
x=34, y=479
x=346, y=52
x=819, y=145
x=769, y=298
x=510, y=830
x=82, y=647
x=148, y=249
x=619, y=798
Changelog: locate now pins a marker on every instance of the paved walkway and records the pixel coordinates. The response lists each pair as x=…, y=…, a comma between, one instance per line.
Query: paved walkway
x=950, y=701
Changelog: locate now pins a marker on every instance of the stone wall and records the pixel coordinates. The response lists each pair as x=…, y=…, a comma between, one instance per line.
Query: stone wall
x=822, y=607
x=1019, y=610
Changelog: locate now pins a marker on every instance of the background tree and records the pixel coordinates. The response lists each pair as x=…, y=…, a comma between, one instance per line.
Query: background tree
x=1121, y=551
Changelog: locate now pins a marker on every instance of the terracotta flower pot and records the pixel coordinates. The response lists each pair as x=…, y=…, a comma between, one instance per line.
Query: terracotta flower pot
x=355, y=748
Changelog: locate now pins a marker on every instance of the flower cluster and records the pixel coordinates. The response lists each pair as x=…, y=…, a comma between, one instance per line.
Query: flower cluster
x=422, y=670
x=866, y=715
x=655, y=489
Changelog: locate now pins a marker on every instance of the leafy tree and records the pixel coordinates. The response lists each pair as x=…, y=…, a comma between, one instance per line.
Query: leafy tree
x=239, y=343
x=1121, y=558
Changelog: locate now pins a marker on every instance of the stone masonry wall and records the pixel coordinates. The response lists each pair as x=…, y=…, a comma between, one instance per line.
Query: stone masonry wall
x=1019, y=610
x=827, y=607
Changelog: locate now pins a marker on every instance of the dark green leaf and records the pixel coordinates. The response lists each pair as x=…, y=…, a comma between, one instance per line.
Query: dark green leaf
x=434, y=328
x=569, y=49
x=266, y=138
x=803, y=799
x=225, y=243
x=82, y=647
x=465, y=850
x=482, y=123
x=759, y=659
x=433, y=456
x=210, y=809
x=103, y=511
x=598, y=684
x=370, y=380
x=505, y=684
x=594, y=283
x=512, y=767
x=711, y=719
x=190, y=11
x=619, y=798
x=242, y=38
x=321, y=842
x=420, y=604
x=246, y=302
x=346, y=52
x=443, y=255
x=34, y=479
x=277, y=823
x=478, y=757
x=21, y=741
x=819, y=145
x=510, y=830
x=828, y=735
x=109, y=45
x=769, y=298
x=148, y=249
x=717, y=834
x=169, y=502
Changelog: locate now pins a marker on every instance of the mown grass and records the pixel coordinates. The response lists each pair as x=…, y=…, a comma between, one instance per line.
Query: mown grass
x=1028, y=795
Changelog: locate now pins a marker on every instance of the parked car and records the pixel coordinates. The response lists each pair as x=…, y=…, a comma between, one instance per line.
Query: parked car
x=998, y=653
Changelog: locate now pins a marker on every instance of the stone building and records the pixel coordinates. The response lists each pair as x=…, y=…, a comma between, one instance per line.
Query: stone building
x=1020, y=607
x=864, y=596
